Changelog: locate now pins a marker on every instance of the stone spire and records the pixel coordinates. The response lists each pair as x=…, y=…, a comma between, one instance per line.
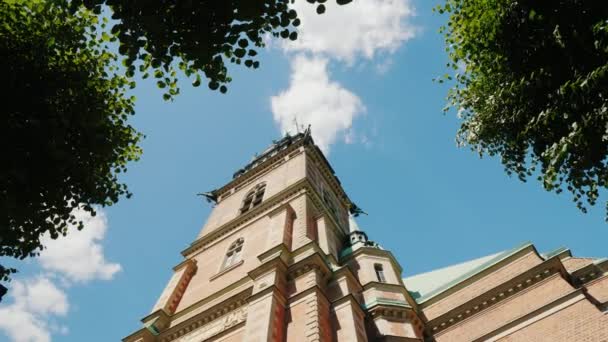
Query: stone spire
x=352, y=224
x=357, y=237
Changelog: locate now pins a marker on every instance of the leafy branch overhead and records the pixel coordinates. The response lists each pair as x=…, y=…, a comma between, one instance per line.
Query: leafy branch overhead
x=532, y=87
x=64, y=124
x=158, y=38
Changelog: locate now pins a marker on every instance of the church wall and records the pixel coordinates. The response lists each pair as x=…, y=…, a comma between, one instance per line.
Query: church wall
x=329, y=240
x=276, y=180
x=328, y=195
x=296, y=326
x=210, y=277
x=518, y=305
x=347, y=323
x=581, y=321
x=482, y=285
x=301, y=295
x=304, y=230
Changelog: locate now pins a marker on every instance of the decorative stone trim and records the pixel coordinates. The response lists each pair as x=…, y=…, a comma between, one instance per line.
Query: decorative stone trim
x=586, y=274
x=280, y=158
x=534, y=316
x=231, y=312
x=398, y=312
x=551, y=267
x=312, y=262
x=376, y=252
x=270, y=163
x=241, y=288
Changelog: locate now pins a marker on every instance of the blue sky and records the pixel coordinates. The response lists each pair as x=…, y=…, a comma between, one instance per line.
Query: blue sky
x=367, y=90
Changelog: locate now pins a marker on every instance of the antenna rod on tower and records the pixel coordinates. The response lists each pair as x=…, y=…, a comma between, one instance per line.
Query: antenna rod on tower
x=295, y=120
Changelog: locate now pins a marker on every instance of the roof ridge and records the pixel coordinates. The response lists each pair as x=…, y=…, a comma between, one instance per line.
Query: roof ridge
x=466, y=275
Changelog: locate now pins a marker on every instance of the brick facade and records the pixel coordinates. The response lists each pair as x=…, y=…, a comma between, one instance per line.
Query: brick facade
x=290, y=266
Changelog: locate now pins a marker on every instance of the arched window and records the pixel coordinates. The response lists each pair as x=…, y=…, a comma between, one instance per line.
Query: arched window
x=380, y=273
x=253, y=198
x=233, y=255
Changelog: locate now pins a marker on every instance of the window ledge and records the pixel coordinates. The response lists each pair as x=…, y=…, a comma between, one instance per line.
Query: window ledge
x=226, y=270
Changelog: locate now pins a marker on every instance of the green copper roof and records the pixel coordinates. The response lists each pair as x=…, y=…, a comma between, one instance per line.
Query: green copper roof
x=426, y=285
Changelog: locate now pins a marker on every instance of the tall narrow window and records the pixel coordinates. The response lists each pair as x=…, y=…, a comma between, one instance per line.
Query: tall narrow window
x=233, y=255
x=253, y=198
x=380, y=273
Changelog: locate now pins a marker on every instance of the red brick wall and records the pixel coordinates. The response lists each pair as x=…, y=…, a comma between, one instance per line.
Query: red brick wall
x=506, y=311
x=580, y=322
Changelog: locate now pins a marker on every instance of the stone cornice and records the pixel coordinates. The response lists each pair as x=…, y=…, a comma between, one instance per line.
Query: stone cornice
x=392, y=288
x=376, y=252
x=207, y=316
x=279, y=158
x=279, y=250
x=269, y=205
x=345, y=271
x=275, y=263
x=550, y=268
x=141, y=333
x=352, y=301
x=586, y=274
x=245, y=281
x=313, y=289
x=393, y=310
x=313, y=261
x=270, y=163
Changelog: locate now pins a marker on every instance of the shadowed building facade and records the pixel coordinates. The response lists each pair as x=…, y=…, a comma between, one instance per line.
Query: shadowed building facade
x=281, y=259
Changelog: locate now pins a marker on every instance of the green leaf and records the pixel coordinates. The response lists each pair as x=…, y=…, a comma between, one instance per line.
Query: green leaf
x=197, y=82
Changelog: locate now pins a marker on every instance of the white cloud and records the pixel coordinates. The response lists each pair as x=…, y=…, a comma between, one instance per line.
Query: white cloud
x=36, y=301
x=360, y=28
x=79, y=255
x=313, y=99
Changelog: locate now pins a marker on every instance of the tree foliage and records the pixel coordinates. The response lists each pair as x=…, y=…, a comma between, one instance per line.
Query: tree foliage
x=64, y=129
x=197, y=37
x=532, y=88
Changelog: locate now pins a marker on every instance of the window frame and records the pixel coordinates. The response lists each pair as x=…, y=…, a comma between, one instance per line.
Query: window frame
x=380, y=275
x=234, y=254
x=253, y=198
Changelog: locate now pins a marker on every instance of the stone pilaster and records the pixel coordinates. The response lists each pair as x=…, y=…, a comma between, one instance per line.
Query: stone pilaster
x=266, y=317
x=348, y=321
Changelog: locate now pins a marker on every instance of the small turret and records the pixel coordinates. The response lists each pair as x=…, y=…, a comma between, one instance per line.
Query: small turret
x=357, y=238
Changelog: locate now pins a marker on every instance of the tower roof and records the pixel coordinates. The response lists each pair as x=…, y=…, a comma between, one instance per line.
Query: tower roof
x=352, y=224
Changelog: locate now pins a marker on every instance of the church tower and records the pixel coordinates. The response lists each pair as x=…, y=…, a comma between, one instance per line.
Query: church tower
x=281, y=259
